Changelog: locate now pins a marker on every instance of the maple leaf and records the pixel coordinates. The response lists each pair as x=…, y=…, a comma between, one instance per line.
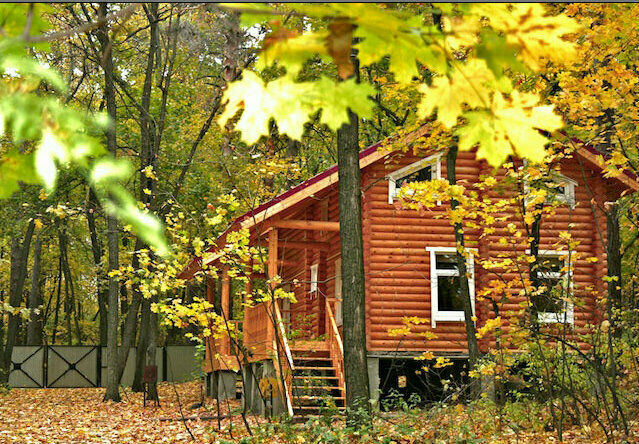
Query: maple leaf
x=291, y=52
x=467, y=85
x=510, y=126
x=401, y=40
x=290, y=104
x=536, y=35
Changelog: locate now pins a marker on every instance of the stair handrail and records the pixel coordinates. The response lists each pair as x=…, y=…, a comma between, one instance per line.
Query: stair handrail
x=335, y=338
x=287, y=381
x=280, y=324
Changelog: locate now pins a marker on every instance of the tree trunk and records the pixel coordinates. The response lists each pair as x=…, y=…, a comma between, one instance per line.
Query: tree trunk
x=34, y=328
x=112, y=384
x=97, y=251
x=19, y=258
x=614, y=255
x=68, y=283
x=54, y=332
x=143, y=341
x=464, y=287
x=353, y=286
x=151, y=352
x=130, y=323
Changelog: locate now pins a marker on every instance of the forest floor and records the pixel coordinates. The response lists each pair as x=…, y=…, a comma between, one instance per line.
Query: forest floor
x=77, y=416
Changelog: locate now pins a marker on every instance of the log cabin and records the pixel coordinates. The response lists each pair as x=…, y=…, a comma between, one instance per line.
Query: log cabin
x=408, y=271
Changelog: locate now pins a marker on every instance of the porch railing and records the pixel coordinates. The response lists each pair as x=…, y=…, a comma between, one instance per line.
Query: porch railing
x=257, y=331
x=335, y=346
x=221, y=352
x=287, y=377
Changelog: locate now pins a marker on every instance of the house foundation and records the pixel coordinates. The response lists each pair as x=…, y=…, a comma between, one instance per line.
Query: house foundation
x=221, y=384
x=260, y=389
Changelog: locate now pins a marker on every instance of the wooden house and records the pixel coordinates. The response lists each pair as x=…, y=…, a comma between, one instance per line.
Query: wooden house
x=407, y=267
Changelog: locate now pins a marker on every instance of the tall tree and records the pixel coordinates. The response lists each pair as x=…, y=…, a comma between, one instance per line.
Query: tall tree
x=353, y=279
x=112, y=383
x=464, y=286
x=34, y=328
x=19, y=259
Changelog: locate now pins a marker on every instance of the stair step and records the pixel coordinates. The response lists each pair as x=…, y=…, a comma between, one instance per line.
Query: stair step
x=319, y=398
x=308, y=346
x=318, y=387
x=311, y=358
x=313, y=377
x=314, y=368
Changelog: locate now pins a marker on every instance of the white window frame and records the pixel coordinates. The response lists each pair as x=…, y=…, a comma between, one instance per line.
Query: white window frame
x=568, y=196
x=339, y=317
x=436, y=173
x=568, y=314
x=314, y=278
x=448, y=315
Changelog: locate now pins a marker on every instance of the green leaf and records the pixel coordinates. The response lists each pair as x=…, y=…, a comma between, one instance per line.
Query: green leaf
x=343, y=96
x=511, y=126
x=398, y=35
x=499, y=56
x=119, y=203
x=27, y=67
x=49, y=153
x=291, y=104
x=293, y=52
x=468, y=85
x=15, y=168
x=108, y=169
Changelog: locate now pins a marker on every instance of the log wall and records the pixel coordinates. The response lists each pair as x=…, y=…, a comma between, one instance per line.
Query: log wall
x=397, y=264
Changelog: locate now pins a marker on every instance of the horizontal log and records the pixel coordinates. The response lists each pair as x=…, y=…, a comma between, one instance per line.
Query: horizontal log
x=298, y=224
x=405, y=344
x=286, y=244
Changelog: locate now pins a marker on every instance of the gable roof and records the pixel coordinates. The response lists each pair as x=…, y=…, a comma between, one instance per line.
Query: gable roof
x=367, y=156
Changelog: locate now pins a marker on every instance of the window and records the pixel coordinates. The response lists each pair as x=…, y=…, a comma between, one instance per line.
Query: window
x=338, y=293
x=423, y=170
x=314, y=279
x=446, y=302
x=551, y=306
x=559, y=188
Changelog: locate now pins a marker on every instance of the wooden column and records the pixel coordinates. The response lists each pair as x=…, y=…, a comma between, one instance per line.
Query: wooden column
x=272, y=272
x=226, y=293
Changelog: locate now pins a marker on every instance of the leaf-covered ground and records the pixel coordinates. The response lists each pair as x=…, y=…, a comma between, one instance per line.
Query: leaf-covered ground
x=73, y=416
x=78, y=416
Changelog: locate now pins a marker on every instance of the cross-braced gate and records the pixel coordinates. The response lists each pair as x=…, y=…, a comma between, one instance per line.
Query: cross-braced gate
x=27, y=367
x=73, y=366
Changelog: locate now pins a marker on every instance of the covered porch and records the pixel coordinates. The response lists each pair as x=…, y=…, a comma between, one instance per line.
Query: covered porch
x=288, y=353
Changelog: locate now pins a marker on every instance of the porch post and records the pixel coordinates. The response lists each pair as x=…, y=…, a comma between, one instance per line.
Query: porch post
x=272, y=272
x=226, y=291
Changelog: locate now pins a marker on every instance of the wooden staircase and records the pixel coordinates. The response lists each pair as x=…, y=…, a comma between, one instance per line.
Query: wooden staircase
x=316, y=387
x=316, y=383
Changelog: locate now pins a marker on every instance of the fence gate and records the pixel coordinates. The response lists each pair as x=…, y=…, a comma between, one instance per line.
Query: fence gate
x=27, y=367
x=66, y=366
x=73, y=366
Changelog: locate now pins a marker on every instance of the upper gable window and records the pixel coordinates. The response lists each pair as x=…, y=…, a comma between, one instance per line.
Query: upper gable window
x=420, y=171
x=561, y=189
